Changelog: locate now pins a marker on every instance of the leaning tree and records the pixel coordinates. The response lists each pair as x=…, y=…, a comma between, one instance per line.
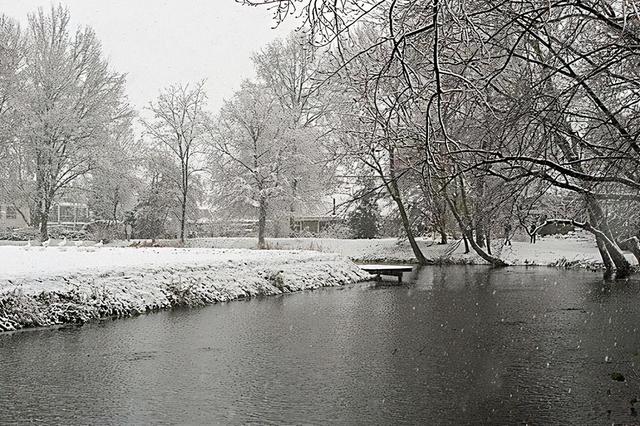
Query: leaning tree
x=553, y=86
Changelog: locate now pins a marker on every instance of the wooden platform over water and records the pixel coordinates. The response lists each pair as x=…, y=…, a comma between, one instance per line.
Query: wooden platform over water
x=391, y=270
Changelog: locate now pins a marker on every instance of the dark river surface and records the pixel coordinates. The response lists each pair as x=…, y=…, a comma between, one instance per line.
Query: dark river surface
x=453, y=345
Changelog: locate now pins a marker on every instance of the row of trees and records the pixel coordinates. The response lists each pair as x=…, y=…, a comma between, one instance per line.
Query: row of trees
x=476, y=108
x=63, y=113
x=469, y=114
x=264, y=151
x=66, y=128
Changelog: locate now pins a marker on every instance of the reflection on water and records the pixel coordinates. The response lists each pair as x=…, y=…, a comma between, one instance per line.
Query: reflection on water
x=452, y=345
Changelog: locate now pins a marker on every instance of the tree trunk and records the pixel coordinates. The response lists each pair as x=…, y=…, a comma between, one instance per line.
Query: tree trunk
x=36, y=218
x=466, y=244
x=479, y=212
x=262, y=222
x=406, y=225
x=292, y=213
x=488, y=240
x=480, y=234
x=493, y=260
x=183, y=215
x=43, y=218
x=600, y=228
x=443, y=236
x=394, y=191
x=623, y=267
x=44, y=226
x=606, y=258
x=36, y=202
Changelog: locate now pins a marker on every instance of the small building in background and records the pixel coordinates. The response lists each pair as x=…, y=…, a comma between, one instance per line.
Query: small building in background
x=319, y=217
x=66, y=213
x=308, y=220
x=313, y=224
x=69, y=214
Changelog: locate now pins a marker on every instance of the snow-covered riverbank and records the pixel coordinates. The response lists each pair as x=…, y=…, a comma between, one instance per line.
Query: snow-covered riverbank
x=43, y=287
x=577, y=251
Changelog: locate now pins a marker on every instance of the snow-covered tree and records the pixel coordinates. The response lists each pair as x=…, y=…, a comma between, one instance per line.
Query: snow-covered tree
x=158, y=196
x=256, y=154
x=70, y=101
x=15, y=184
x=177, y=126
x=364, y=219
x=290, y=70
x=114, y=182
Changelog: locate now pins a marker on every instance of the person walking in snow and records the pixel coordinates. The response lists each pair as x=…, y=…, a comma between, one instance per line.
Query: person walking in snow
x=507, y=234
x=532, y=233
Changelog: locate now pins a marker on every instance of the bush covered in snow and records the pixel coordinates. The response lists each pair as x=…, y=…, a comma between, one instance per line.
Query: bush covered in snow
x=21, y=234
x=55, y=232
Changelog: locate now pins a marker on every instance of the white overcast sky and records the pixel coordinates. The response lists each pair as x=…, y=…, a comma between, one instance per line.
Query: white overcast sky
x=160, y=42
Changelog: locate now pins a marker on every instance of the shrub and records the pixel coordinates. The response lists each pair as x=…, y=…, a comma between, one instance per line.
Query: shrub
x=21, y=234
x=336, y=230
x=104, y=230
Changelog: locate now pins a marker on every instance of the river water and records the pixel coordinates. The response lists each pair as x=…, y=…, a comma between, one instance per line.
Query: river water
x=452, y=345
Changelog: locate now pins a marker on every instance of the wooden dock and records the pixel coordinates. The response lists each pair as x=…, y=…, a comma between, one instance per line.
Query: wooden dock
x=391, y=270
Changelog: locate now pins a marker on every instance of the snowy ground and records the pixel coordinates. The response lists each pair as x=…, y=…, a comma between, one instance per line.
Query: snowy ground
x=579, y=249
x=42, y=287
x=40, y=262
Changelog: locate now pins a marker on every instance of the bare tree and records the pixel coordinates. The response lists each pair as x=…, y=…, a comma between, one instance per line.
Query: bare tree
x=177, y=126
